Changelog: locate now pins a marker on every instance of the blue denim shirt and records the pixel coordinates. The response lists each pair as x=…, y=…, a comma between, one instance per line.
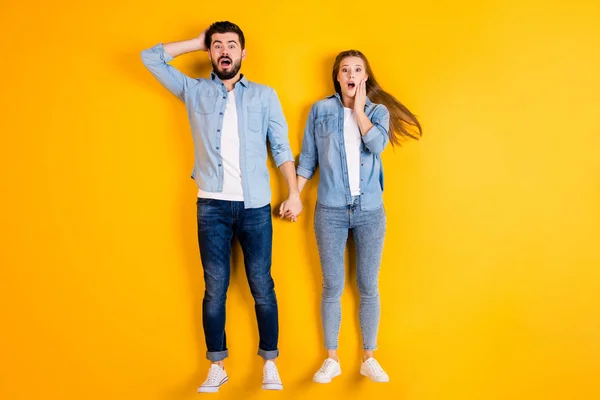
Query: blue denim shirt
x=259, y=117
x=323, y=145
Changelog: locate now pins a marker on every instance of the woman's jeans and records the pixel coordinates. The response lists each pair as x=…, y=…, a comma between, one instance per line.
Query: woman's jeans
x=332, y=225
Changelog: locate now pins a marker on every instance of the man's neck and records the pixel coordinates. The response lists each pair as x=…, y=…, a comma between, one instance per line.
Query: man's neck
x=230, y=83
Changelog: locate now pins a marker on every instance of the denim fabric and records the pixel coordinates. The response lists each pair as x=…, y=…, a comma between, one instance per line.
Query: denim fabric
x=332, y=226
x=323, y=146
x=218, y=222
x=260, y=117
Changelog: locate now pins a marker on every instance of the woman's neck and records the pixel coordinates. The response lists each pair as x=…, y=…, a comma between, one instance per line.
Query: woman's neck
x=348, y=102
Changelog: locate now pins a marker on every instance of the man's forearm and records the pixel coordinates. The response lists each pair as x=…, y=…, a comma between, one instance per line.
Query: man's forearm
x=175, y=49
x=289, y=173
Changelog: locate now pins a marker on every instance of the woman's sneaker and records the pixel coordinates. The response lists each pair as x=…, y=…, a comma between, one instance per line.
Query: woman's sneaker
x=371, y=369
x=329, y=370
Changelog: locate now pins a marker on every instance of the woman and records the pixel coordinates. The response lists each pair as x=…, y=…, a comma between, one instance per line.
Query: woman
x=345, y=135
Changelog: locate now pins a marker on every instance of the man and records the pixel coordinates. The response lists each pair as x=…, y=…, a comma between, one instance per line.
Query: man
x=231, y=120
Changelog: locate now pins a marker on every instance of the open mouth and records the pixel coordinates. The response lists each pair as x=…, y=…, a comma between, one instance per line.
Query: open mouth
x=351, y=85
x=225, y=62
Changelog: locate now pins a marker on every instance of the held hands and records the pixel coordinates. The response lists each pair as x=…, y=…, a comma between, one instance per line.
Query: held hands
x=291, y=208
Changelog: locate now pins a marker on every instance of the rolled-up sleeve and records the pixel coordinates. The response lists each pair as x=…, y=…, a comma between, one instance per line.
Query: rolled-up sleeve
x=309, y=156
x=156, y=60
x=277, y=132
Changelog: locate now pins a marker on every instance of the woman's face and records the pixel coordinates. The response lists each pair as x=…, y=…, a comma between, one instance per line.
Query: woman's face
x=351, y=73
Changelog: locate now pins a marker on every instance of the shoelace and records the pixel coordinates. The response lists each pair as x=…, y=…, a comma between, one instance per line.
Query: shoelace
x=327, y=367
x=213, y=374
x=375, y=367
x=271, y=373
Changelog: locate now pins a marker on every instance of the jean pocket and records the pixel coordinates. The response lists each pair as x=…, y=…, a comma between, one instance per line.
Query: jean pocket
x=203, y=201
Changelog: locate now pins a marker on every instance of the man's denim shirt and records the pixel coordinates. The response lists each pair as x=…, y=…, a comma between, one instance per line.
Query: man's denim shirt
x=259, y=117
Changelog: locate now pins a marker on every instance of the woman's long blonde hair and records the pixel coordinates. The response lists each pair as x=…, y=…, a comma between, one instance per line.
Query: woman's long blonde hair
x=403, y=123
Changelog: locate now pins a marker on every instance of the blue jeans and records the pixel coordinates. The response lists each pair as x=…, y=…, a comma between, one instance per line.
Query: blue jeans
x=332, y=225
x=218, y=222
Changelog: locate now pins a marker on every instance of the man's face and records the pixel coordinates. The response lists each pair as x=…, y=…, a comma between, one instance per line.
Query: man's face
x=226, y=54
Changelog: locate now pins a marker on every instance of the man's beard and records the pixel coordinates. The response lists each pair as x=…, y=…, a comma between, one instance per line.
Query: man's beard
x=232, y=72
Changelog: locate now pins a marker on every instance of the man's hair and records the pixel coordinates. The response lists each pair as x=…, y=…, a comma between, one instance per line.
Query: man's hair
x=223, y=27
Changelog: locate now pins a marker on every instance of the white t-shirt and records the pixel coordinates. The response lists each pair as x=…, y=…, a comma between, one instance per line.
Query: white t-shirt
x=230, y=156
x=352, y=142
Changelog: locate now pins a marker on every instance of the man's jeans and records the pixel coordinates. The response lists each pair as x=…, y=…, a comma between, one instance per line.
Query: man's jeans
x=218, y=222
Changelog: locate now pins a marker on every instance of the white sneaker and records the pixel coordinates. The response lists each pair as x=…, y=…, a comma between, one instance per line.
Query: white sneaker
x=371, y=369
x=216, y=377
x=271, y=380
x=329, y=370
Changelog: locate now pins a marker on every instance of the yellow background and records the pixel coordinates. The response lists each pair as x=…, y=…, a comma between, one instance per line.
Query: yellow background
x=490, y=279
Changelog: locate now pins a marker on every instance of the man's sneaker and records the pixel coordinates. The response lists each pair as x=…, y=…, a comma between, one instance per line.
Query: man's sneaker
x=216, y=377
x=329, y=370
x=371, y=369
x=271, y=380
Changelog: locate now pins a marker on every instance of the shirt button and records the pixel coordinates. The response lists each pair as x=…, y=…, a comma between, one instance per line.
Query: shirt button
x=218, y=130
x=224, y=97
x=217, y=147
x=219, y=165
x=220, y=113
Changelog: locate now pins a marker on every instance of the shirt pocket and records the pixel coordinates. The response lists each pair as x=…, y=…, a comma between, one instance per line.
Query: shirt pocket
x=205, y=103
x=325, y=125
x=255, y=118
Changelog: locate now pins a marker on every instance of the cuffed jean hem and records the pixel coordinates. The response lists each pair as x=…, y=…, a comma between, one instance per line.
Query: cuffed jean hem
x=215, y=356
x=370, y=348
x=268, y=354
